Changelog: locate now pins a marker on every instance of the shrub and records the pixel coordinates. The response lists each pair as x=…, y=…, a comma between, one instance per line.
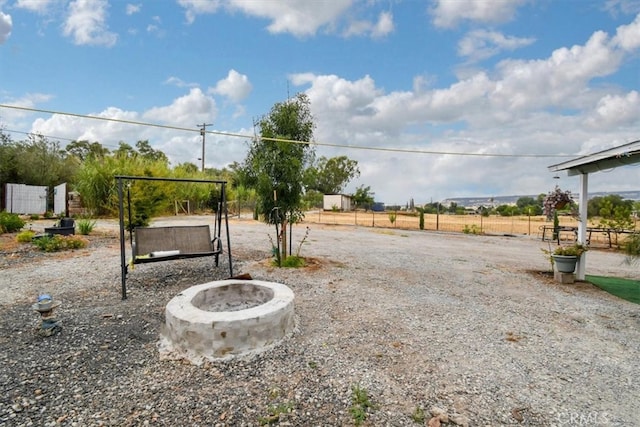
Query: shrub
x=10, y=222
x=25, y=236
x=361, y=404
x=392, y=218
x=576, y=249
x=474, y=229
x=293, y=261
x=86, y=226
x=57, y=243
x=631, y=247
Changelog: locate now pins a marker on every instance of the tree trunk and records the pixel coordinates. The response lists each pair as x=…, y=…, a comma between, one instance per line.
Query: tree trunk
x=283, y=243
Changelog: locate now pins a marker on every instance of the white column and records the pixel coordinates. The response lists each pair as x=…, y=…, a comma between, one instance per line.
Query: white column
x=582, y=223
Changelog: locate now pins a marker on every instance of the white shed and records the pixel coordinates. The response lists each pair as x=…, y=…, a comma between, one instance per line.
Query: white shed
x=341, y=202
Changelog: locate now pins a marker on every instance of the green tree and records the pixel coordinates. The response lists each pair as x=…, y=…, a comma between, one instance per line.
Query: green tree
x=616, y=215
x=147, y=152
x=312, y=199
x=330, y=176
x=125, y=150
x=433, y=207
x=609, y=203
x=84, y=149
x=363, y=197
x=507, y=210
x=39, y=161
x=278, y=164
x=9, y=161
x=524, y=202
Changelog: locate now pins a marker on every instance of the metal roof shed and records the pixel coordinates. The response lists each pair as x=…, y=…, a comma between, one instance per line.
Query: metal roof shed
x=623, y=155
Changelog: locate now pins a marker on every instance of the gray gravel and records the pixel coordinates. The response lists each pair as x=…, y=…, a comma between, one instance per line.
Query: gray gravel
x=465, y=327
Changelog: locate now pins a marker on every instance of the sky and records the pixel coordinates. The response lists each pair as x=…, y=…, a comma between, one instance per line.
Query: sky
x=435, y=99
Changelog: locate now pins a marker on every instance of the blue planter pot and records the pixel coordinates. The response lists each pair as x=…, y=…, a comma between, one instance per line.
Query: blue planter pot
x=564, y=263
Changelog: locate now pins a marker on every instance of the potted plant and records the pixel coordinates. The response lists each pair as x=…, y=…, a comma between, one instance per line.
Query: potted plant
x=556, y=199
x=566, y=257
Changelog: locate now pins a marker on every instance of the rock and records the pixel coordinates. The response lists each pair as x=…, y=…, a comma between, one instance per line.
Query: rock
x=459, y=420
x=436, y=411
x=434, y=422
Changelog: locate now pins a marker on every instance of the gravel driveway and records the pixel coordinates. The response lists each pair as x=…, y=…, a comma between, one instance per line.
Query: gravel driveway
x=462, y=326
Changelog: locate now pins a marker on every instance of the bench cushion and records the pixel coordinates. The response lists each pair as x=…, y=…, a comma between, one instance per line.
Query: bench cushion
x=189, y=240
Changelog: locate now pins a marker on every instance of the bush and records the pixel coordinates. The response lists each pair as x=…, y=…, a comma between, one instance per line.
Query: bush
x=10, y=222
x=293, y=261
x=576, y=249
x=631, y=247
x=25, y=236
x=57, y=243
x=86, y=226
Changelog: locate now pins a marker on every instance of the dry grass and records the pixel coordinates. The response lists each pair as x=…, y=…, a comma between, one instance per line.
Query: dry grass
x=473, y=224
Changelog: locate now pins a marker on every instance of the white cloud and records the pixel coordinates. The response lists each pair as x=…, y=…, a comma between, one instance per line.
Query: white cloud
x=447, y=13
x=198, y=7
x=179, y=145
x=108, y=133
x=38, y=6
x=616, y=110
x=185, y=111
x=6, y=26
x=615, y=7
x=338, y=102
x=384, y=25
x=381, y=28
x=482, y=44
x=132, y=9
x=30, y=100
x=628, y=36
x=559, y=80
x=523, y=106
x=178, y=82
x=301, y=19
x=235, y=86
x=86, y=23
x=298, y=18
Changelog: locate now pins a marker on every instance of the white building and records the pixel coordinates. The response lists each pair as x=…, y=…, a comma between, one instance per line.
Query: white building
x=340, y=202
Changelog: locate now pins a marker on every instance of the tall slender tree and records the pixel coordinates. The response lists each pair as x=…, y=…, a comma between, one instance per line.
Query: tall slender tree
x=278, y=164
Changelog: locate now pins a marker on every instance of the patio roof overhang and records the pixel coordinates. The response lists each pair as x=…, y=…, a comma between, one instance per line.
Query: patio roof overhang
x=623, y=155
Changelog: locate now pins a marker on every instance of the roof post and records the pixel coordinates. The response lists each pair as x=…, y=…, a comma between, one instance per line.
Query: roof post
x=582, y=223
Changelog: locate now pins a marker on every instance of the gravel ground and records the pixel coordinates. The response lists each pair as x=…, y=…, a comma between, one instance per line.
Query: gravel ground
x=464, y=327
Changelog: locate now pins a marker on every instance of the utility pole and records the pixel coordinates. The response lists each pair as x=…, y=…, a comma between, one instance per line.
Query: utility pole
x=203, y=132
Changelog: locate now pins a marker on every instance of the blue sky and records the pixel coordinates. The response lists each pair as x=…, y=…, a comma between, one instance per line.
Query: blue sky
x=449, y=81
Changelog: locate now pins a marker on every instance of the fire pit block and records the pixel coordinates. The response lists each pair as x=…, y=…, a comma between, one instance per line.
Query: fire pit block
x=228, y=318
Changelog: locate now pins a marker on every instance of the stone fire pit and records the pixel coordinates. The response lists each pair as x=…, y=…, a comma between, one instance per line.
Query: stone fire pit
x=227, y=318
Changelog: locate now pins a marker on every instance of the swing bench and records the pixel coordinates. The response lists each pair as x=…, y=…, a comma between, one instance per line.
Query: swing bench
x=155, y=244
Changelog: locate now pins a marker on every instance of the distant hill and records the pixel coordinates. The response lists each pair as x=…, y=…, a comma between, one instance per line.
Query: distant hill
x=507, y=200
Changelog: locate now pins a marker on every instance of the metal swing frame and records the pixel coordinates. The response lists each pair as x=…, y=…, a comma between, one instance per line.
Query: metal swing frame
x=215, y=248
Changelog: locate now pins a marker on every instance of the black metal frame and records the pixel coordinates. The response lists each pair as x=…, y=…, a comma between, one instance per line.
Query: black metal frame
x=218, y=225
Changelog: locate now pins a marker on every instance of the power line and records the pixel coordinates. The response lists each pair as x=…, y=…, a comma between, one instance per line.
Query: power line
x=321, y=144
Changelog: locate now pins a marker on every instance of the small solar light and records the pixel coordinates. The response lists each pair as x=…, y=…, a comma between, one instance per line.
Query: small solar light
x=45, y=306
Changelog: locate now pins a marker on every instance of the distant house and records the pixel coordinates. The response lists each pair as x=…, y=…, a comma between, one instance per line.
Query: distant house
x=340, y=202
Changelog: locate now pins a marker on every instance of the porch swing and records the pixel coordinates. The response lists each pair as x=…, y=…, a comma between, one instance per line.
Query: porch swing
x=156, y=244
